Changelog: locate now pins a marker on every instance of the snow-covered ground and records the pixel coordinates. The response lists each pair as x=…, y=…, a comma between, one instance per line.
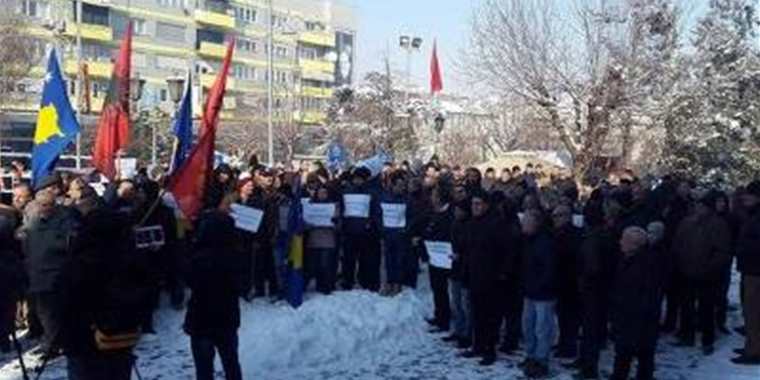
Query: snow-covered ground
x=359, y=335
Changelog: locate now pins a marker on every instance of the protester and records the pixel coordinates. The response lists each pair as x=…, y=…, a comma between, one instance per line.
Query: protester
x=438, y=229
x=322, y=243
x=567, y=239
x=637, y=299
x=460, y=279
x=361, y=242
x=395, y=212
x=702, y=247
x=213, y=313
x=540, y=268
x=46, y=243
x=748, y=263
x=486, y=253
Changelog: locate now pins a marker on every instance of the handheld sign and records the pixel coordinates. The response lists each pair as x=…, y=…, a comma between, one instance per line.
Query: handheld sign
x=441, y=254
x=246, y=218
x=319, y=214
x=357, y=205
x=394, y=215
x=578, y=221
x=150, y=237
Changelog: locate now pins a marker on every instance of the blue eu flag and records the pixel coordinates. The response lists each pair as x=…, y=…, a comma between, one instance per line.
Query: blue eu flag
x=57, y=125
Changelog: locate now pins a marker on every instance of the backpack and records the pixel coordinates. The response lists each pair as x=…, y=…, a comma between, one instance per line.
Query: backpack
x=125, y=301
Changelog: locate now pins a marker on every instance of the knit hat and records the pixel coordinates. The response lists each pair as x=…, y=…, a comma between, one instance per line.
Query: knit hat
x=754, y=188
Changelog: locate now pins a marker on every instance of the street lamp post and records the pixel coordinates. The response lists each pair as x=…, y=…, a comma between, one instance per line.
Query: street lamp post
x=136, y=85
x=270, y=82
x=410, y=45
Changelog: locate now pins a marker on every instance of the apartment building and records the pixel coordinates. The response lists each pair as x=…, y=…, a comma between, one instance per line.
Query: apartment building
x=313, y=49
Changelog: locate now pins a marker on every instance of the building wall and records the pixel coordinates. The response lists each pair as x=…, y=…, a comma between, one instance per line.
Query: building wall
x=173, y=36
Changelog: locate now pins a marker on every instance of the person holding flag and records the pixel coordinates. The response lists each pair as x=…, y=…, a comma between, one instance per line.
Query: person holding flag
x=57, y=125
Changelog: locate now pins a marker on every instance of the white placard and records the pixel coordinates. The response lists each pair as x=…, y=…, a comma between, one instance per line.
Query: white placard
x=394, y=215
x=441, y=253
x=521, y=216
x=578, y=221
x=357, y=205
x=100, y=188
x=319, y=214
x=246, y=218
x=127, y=167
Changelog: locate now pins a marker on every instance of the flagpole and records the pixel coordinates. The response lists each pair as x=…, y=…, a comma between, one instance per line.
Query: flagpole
x=270, y=81
x=78, y=87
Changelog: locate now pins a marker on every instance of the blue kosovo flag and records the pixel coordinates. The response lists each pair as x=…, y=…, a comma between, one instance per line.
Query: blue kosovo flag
x=183, y=128
x=57, y=125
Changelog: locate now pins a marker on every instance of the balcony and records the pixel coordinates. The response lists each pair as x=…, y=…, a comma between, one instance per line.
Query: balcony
x=216, y=17
x=95, y=69
x=319, y=38
x=316, y=92
x=313, y=117
x=90, y=31
x=210, y=49
x=207, y=80
x=317, y=69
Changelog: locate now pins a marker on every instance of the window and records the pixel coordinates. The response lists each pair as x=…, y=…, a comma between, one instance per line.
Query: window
x=35, y=8
x=308, y=53
x=93, y=14
x=138, y=27
x=170, y=32
x=246, y=45
x=314, y=26
x=247, y=15
x=280, y=51
x=163, y=95
x=172, y=3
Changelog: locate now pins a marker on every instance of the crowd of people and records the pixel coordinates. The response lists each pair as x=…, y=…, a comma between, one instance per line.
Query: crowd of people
x=516, y=261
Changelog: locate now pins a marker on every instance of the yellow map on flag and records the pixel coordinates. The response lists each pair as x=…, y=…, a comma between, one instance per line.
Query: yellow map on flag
x=47, y=125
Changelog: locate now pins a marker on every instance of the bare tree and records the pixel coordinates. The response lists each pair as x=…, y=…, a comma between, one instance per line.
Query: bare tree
x=581, y=74
x=17, y=55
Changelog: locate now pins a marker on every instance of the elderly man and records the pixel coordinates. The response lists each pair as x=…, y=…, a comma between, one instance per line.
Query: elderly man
x=636, y=301
x=46, y=235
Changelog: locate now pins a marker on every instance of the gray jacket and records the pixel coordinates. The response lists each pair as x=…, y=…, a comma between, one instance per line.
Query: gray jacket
x=46, y=247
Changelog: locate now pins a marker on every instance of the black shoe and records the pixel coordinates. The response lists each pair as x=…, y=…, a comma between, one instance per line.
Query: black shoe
x=741, y=330
x=451, y=338
x=746, y=360
x=432, y=322
x=576, y=364
x=525, y=364
x=470, y=354
x=464, y=343
x=583, y=375
x=708, y=350
x=739, y=351
x=684, y=343
x=488, y=360
x=536, y=371
x=565, y=355
x=508, y=349
x=723, y=330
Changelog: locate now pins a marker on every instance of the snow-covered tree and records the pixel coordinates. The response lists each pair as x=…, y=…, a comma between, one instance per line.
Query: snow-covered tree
x=713, y=130
x=592, y=76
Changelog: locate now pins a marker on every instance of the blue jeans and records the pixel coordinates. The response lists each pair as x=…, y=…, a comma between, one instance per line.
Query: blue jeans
x=460, y=299
x=538, y=329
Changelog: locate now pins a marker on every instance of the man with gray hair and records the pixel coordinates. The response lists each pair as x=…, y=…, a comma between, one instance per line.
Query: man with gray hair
x=636, y=300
